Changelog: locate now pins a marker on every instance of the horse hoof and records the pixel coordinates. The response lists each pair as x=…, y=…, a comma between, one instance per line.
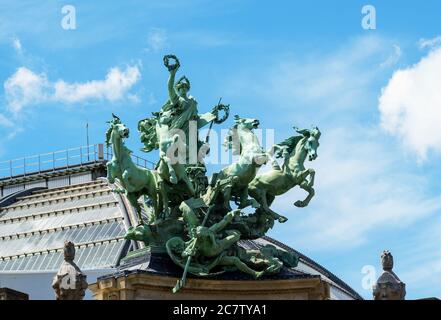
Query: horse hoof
x=299, y=204
x=283, y=219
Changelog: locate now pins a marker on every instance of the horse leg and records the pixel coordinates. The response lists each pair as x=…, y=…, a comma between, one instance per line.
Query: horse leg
x=182, y=176
x=265, y=200
x=280, y=218
x=171, y=171
x=173, y=177
x=166, y=170
x=110, y=172
x=245, y=202
x=256, y=194
x=149, y=189
x=126, y=181
x=269, y=200
x=259, y=195
x=305, y=185
x=311, y=177
x=159, y=200
x=227, y=189
x=154, y=197
x=164, y=198
x=150, y=216
x=226, y=195
x=243, y=196
x=133, y=199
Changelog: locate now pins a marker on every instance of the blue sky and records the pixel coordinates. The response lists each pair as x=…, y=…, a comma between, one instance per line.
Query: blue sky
x=375, y=94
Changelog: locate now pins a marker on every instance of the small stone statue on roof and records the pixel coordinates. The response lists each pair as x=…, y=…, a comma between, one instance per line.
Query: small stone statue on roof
x=69, y=283
x=388, y=285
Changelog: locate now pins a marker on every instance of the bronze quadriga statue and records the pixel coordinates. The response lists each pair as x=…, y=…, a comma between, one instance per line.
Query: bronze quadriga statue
x=194, y=219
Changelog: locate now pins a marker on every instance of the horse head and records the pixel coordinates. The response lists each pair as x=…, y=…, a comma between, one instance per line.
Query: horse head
x=312, y=137
x=242, y=140
x=116, y=128
x=246, y=123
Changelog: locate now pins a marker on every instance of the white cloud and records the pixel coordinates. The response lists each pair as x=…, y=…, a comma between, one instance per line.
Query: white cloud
x=393, y=58
x=157, y=39
x=430, y=43
x=16, y=44
x=114, y=87
x=26, y=87
x=410, y=105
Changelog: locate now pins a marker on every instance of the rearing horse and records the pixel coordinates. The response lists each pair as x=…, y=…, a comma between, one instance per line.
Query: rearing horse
x=136, y=181
x=244, y=142
x=265, y=187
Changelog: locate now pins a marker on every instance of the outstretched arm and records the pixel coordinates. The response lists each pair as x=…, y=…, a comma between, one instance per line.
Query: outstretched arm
x=172, y=68
x=171, y=89
x=205, y=119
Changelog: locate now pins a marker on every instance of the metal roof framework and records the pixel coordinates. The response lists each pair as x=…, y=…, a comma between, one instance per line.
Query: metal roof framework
x=35, y=224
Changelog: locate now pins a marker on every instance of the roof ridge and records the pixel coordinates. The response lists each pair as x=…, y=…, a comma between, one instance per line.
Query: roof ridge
x=56, y=199
x=74, y=187
x=27, y=234
x=59, y=211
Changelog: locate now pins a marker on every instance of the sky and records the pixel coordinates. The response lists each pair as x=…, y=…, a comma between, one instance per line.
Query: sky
x=375, y=94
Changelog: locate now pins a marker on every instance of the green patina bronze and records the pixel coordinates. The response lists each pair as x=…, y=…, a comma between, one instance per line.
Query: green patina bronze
x=244, y=143
x=135, y=181
x=264, y=188
x=193, y=218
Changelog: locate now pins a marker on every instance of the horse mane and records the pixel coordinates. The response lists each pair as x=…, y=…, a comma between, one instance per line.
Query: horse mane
x=108, y=135
x=291, y=143
x=230, y=137
x=112, y=122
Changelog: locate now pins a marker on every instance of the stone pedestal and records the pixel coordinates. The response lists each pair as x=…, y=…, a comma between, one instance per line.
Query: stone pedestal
x=141, y=285
x=152, y=275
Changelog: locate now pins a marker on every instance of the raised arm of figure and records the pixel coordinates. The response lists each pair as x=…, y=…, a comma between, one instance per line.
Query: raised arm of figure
x=172, y=68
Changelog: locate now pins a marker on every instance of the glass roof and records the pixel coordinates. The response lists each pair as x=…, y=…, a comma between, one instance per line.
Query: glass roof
x=34, y=228
x=99, y=256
